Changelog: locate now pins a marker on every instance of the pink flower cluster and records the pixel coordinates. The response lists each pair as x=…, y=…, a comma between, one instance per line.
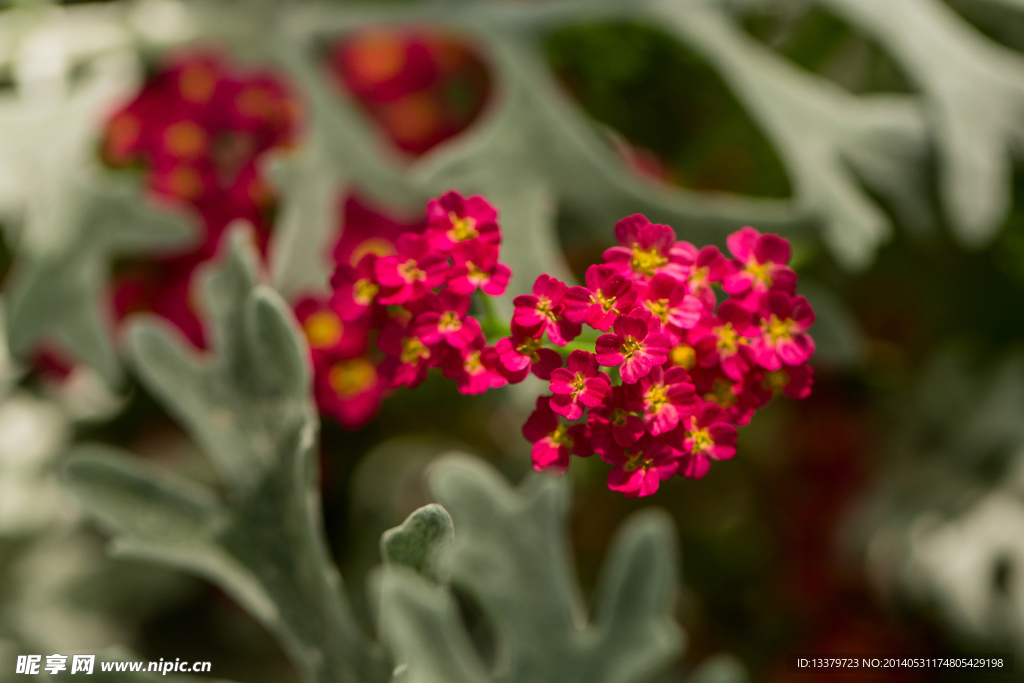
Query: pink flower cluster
x=681, y=371
x=418, y=295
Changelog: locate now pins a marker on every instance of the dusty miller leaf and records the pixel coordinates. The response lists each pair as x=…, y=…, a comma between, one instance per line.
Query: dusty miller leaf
x=419, y=541
x=511, y=556
x=248, y=405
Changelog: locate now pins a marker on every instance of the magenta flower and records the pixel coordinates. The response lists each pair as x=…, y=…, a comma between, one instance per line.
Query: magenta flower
x=580, y=384
x=760, y=263
x=474, y=368
x=614, y=421
x=725, y=338
x=646, y=249
x=709, y=267
x=664, y=398
x=632, y=348
x=367, y=231
x=553, y=442
x=445, y=320
x=543, y=311
x=783, y=338
x=476, y=266
x=355, y=289
x=349, y=390
x=453, y=219
x=707, y=435
x=666, y=298
x=640, y=468
x=520, y=354
x=792, y=381
x=606, y=296
x=413, y=271
x=409, y=357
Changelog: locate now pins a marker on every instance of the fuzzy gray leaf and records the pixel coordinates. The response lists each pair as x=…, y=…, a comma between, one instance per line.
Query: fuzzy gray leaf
x=419, y=541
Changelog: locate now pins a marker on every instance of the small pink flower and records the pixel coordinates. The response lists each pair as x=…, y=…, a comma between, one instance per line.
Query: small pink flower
x=792, y=381
x=446, y=320
x=606, y=296
x=578, y=385
x=614, y=421
x=356, y=290
x=725, y=338
x=367, y=231
x=474, y=368
x=665, y=398
x=707, y=435
x=453, y=219
x=632, y=347
x=641, y=467
x=646, y=249
x=544, y=311
x=476, y=266
x=413, y=271
x=760, y=263
x=783, y=338
x=349, y=390
x=520, y=354
x=666, y=298
x=740, y=398
x=409, y=357
x=325, y=331
x=553, y=442
x=710, y=267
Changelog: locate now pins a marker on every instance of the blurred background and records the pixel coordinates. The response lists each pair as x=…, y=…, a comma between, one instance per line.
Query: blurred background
x=885, y=513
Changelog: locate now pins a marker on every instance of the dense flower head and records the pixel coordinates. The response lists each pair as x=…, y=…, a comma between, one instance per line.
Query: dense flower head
x=660, y=393
x=198, y=128
x=419, y=85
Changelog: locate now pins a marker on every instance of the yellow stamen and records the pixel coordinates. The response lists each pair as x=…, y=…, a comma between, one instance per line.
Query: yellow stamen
x=646, y=262
x=413, y=350
x=778, y=330
x=684, y=356
x=658, y=308
x=323, y=329
x=364, y=290
x=410, y=273
x=462, y=228
x=373, y=245
x=449, y=322
x=701, y=440
x=352, y=377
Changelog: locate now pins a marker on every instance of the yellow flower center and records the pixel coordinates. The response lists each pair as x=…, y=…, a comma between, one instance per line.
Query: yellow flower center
x=352, y=377
x=702, y=440
x=699, y=276
x=449, y=322
x=472, y=364
x=778, y=330
x=255, y=101
x=658, y=308
x=618, y=417
x=656, y=397
x=475, y=275
x=776, y=380
x=197, y=83
x=759, y=271
x=530, y=346
x=409, y=271
x=462, y=228
x=323, y=329
x=684, y=356
x=544, y=308
x=631, y=346
x=728, y=339
x=560, y=437
x=186, y=140
x=364, y=290
x=413, y=350
x=646, y=262
x=599, y=298
x=579, y=383
x=636, y=462
x=373, y=245
x=721, y=394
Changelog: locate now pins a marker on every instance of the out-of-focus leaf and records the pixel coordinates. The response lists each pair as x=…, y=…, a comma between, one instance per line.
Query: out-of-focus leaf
x=419, y=541
x=511, y=556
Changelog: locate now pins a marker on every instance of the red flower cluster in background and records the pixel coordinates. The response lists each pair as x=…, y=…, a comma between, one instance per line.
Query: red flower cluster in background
x=421, y=86
x=199, y=130
x=689, y=370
